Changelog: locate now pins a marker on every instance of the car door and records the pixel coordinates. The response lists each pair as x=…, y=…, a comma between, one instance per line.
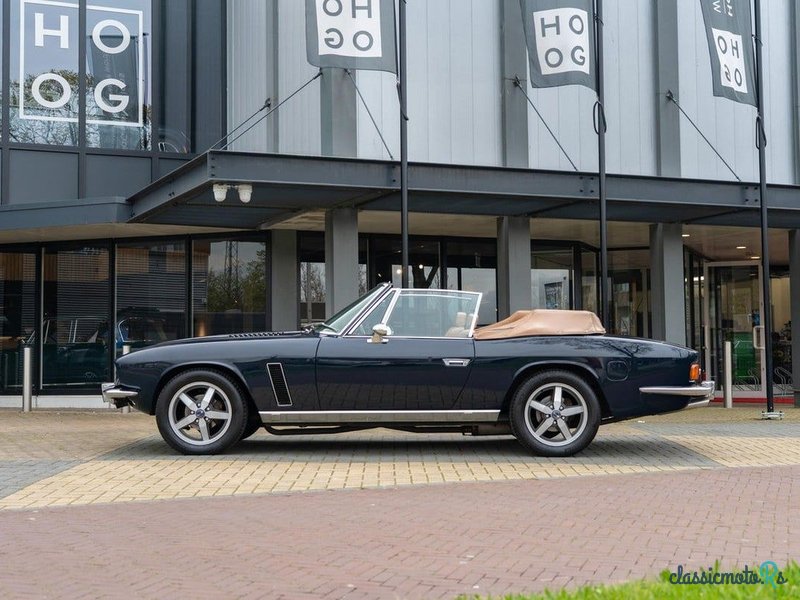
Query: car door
x=422, y=365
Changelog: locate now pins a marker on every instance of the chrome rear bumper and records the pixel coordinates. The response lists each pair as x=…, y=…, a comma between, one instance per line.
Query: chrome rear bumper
x=116, y=395
x=701, y=393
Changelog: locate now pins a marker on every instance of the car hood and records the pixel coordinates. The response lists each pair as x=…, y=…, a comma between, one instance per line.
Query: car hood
x=234, y=337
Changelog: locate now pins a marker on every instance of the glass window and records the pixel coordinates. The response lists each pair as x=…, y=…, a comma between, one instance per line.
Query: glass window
x=424, y=263
x=472, y=267
x=118, y=94
x=17, y=313
x=433, y=314
x=44, y=86
x=229, y=286
x=589, y=291
x=151, y=293
x=75, y=327
x=551, y=278
x=629, y=271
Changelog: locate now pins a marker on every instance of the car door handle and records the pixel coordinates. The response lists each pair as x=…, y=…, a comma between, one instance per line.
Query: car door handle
x=455, y=362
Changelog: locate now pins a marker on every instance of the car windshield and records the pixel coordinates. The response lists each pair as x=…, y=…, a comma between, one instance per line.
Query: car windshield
x=341, y=319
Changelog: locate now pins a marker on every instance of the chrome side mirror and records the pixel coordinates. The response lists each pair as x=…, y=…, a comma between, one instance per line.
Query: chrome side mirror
x=380, y=331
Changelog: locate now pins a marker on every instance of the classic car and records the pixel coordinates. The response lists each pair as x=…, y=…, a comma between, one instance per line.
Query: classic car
x=413, y=360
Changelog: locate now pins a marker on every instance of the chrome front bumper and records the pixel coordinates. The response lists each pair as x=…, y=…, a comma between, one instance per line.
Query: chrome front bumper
x=114, y=394
x=701, y=394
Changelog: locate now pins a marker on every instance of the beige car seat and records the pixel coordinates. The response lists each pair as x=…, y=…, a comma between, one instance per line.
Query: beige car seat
x=459, y=326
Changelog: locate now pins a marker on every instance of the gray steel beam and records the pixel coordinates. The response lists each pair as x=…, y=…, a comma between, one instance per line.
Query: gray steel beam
x=338, y=118
x=666, y=273
x=513, y=265
x=341, y=259
x=284, y=280
x=514, y=64
x=667, y=79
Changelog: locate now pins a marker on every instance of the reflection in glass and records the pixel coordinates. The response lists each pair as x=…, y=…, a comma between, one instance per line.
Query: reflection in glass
x=472, y=267
x=151, y=294
x=17, y=313
x=551, y=278
x=424, y=264
x=118, y=94
x=44, y=87
x=75, y=328
x=629, y=271
x=229, y=286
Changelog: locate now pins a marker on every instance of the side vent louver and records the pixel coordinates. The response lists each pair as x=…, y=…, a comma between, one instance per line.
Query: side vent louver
x=279, y=386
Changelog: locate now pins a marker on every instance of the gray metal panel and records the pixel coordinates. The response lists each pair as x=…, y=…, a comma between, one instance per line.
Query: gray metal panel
x=249, y=55
x=209, y=74
x=453, y=87
x=731, y=126
x=42, y=176
x=167, y=165
x=64, y=214
x=116, y=175
x=299, y=125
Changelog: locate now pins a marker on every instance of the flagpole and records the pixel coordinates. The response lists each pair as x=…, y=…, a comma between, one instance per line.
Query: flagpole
x=600, y=128
x=403, y=146
x=766, y=317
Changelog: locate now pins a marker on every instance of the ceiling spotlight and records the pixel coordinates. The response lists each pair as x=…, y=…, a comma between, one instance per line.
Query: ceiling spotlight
x=421, y=267
x=741, y=247
x=245, y=192
x=755, y=257
x=220, y=191
x=686, y=235
x=399, y=271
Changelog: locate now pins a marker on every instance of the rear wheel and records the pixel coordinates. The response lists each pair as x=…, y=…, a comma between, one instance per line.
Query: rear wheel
x=201, y=412
x=555, y=413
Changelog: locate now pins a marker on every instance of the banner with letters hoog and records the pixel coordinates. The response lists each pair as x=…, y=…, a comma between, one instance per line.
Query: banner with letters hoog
x=351, y=34
x=729, y=33
x=561, y=42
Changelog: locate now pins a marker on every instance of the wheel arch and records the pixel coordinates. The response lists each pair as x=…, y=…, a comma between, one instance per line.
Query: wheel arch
x=226, y=369
x=581, y=370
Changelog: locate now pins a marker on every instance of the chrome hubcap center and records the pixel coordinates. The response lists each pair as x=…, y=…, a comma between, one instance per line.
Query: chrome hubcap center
x=199, y=413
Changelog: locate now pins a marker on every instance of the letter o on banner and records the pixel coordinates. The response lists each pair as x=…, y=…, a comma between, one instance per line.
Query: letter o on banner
x=36, y=90
x=98, y=40
x=553, y=52
x=334, y=13
x=363, y=35
x=580, y=24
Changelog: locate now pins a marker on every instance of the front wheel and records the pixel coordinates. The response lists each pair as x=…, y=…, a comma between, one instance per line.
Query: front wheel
x=201, y=412
x=555, y=413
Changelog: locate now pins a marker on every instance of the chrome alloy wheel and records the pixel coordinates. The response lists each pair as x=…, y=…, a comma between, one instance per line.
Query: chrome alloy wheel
x=200, y=413
x=555, y=414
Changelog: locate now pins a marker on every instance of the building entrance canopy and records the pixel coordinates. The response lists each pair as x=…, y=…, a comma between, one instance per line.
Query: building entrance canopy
x=284, y=186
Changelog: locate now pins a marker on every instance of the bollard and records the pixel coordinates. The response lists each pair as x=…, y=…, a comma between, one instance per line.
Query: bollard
x=126, y=348
x=27, y=384
x=727, y=387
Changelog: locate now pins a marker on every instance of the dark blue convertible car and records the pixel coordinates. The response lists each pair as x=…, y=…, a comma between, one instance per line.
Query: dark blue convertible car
x=413, y=360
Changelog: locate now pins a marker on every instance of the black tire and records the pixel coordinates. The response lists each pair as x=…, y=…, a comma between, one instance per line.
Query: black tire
x=578, y=401
x=201, y=433
x=253, y=424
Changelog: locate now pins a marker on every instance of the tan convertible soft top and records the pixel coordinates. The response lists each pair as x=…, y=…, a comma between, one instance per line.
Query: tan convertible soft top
x=542, y=322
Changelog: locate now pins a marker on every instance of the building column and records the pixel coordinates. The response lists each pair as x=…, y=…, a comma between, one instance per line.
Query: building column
x=338, y=114
x=515, y=107
x=667, y=287
x=513, y=265
x=794, y=290
x=341, y=258
x=283, y=280
x=667, y=80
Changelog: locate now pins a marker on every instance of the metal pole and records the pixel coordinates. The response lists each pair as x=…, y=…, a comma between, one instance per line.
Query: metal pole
x=766, y=317
x=126, y=348
x=601, y=168
x=727, y=382
x=403, y=146
x=27, y=383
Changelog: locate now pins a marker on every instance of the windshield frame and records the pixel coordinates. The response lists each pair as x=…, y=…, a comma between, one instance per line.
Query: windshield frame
x=363, y=304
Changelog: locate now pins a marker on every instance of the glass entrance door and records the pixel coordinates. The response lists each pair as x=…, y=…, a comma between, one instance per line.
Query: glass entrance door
x=734, y=306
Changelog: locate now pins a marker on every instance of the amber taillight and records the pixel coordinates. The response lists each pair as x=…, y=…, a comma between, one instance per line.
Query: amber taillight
x=694, y=372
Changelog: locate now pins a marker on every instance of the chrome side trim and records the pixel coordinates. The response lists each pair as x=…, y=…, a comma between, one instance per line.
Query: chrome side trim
x=703, y=389
x=379, y=416
x=699, y=403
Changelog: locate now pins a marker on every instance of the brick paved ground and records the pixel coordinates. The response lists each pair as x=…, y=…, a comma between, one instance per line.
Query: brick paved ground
x=683, y=488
